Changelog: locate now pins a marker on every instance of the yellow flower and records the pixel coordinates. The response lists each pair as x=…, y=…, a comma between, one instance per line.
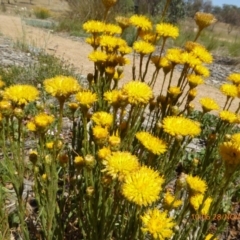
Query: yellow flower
x=210, y=237
x=170, y=201
x=228, y=116
x=5, y=107
x=20, y=94
x=94, y=26
x=143, y=47
x=79, y=161
x=230, y=152
x=167, y=30
x=109, y=3
x=190, y=59
x=111, y=29
x=174, y=91
x=73, y=106
x=175, y=125
x=235, y=78
x=192, y=94
x=142, y=187
x=149, y=37
x=114, y=140
x=141, y=22
x=229, y=90
x=103, y=152
x=119, y=164
x=196, y=185
x=159, y=63
x=123, y=22
x=137, y=92
x=236, y=138
x=203, y=54
x=190, y=45
x=208, y=104
x=93, y=41
x=194, y=80
x=2, y=84
x=98, y=56
x=112, y=97
x=40, y=122
x=100, y=133
x=61, y=87
x=158, y=224
x=202, y=70
x=197, y=202
x=204, y=20
x=102, y=119
x=123, y=50
x=110, y=43
x=49, y=145
x=174, y=55
x=86, y=98
x=153, y=144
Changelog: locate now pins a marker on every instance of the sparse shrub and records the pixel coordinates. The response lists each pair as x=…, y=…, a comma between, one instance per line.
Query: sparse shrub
x=42, y=13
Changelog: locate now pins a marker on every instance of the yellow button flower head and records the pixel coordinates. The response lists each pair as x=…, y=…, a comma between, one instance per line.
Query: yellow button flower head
x=61, y=87
x=170, y=201
x=190, y=45
x=228, y=116
x=123, y=22
x=110, y=43
x=103, y=152
x=236, y=138
x=86, y=98
x=149, y=37
x=141, y=22
x=123, y=50
x=197, y=201
x=158, y=224
x=142, y=187
x=167, y=30
x=40, y=122
x=174, y=91
x=208, y=104
x=111, y=29
x=203, y=54
x=229, y=90
x=143, y=47
x=175, y=125
x=119, y=164
x=204, y=20
x=98, y=56
x=137, y=92
x=100, y=133
x=230, y=152
x=153, y=144
x=112, y=97
x=174, y=55
x=192, y=94
x=93, y=41
x=235, y=78
x=194, y=80
x=190, y=59
x=20, y=94
x=94, y=26
x=109, y=3
x=5, y=106
x=102, y=119
x=202, y=70
x=196, y=185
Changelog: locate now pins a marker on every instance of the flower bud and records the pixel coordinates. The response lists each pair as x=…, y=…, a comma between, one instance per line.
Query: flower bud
x=79, y=161
x=33, y=156
x=90, y=191
x=89, y=161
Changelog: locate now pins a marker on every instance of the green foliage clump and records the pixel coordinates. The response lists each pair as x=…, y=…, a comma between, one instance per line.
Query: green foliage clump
x=42, y=13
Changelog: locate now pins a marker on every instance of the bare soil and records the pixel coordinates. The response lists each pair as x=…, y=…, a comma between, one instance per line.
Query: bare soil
x=76, y=52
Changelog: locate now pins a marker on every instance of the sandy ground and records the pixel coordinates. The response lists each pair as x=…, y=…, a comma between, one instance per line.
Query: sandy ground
x=76, y=52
